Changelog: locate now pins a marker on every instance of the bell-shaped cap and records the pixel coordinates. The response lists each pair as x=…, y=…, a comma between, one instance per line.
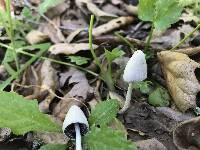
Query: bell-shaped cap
x=136, y=68
x=75, y=116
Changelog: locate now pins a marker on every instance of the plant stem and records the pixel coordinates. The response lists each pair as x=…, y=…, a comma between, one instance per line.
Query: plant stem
x=60, y=62
x=20, y=50
x=125, y=40
x=149, y=38
x=14, y=76
x=11, y=33
x=128, y=99
x=78, y=137
x=90, y=43
x=186, y=37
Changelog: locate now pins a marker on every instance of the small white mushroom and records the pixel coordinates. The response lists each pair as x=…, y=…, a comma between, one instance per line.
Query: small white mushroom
x=135, y=71
x=75, y=125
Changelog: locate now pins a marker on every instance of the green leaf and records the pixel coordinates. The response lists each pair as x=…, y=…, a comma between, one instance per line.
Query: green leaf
x=47, y=4
x=79, y=60
x=104, y=112
x=115, y=53
x=54, y=147
x=162, y=13
x=107, y=139
x=159, y=97
x=9, y=56
x=143, y=86
x=22, y=115
x=144, y=9
x=26, y=12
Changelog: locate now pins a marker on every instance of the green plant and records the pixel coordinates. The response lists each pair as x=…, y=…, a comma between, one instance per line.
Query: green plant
x=43, y=48
x=22, y=115
x=7, y=22
x=162, y=13
x=101, y=136
x=105, y=72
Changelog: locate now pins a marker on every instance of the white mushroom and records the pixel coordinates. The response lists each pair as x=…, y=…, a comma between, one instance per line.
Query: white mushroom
x=135, y=71
x=75, y=125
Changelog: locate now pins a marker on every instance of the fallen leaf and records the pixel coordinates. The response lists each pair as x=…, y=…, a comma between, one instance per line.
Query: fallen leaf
x=171, y=37
x=188, y=16
x=48, y=80
x=112, y=25
x=179, y=73
x=150, y=144
x=81, y=87
x=95, y=10
x=67, y=49
x=175, y=115
x=77, y=95
x=52, y=30
x=186, y=135
x=35, y=37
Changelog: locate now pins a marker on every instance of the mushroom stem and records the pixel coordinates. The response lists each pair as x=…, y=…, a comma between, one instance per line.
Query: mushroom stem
x=78, y=137
x=128, y=99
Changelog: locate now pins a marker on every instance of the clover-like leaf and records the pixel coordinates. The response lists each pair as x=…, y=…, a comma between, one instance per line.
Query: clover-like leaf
x=104, y=112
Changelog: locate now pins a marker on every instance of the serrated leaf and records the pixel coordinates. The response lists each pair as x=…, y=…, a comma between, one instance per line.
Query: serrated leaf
x=26, y=12
x=115, y=53
x=22, y=115
x=104, y=112
x=143, y=86
x=47, y=4
x=159, y=98
x=107, y=139
x=78, y=60
x=54, y=147
x=162, y=13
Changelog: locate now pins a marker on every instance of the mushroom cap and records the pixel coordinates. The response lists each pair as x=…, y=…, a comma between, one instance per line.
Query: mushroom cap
x=75, y=115
x=136, y=68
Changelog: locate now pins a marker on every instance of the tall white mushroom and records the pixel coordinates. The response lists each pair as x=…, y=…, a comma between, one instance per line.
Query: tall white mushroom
x=75, y=125
x=135, y=71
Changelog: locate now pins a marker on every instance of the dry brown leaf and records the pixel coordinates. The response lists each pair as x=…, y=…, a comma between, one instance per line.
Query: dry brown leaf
x=99, y=13
x=77, y=95
x=53, y=31
x=171, y=37
x=179, y=73
x=72, y=35
x=186, y=135
x=81, y=87
x=34, y=37
x=48, y=82
x=73, y=48
x=150, y=144
x=112, y=25
x=64, y=105
x=94, y=10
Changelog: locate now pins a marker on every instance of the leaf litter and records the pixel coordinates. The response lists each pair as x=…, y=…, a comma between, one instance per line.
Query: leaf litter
x=155, y=120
